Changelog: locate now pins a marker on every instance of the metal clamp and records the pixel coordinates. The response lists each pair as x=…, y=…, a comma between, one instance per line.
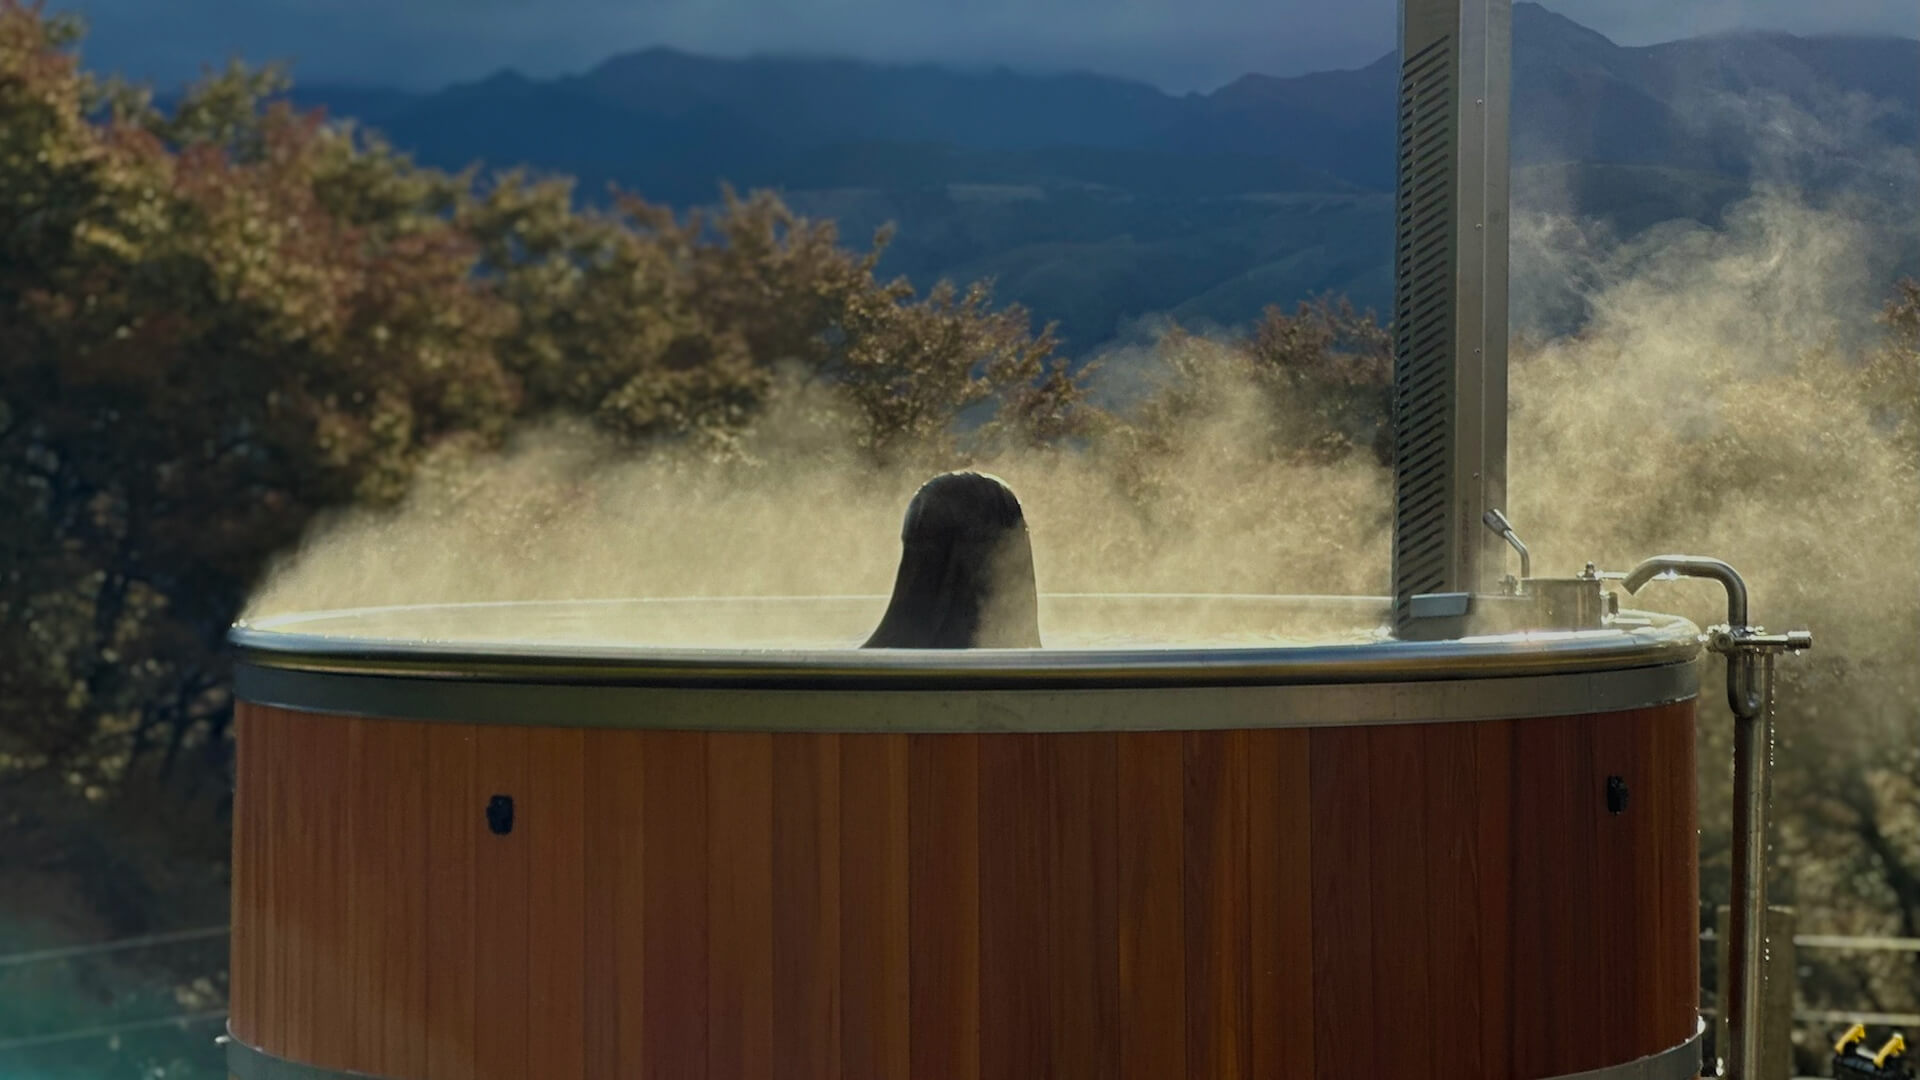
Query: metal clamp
x=1750, y=653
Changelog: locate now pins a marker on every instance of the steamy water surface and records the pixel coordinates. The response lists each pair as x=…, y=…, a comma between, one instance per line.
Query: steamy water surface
x=1080, y=622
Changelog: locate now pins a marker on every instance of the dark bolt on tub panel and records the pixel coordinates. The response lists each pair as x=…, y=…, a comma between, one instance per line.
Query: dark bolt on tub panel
x=751, y=879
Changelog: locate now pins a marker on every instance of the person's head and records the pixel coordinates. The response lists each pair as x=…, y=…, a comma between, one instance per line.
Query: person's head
x=966, y=571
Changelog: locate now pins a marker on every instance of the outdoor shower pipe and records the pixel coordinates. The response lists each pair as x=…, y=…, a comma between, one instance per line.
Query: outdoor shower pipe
x=1747, y=649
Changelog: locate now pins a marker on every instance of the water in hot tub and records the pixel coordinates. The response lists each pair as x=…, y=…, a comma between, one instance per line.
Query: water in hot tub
x=1076, y=622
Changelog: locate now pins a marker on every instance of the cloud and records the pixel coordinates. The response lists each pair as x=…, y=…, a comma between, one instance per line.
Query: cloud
x=1178, y=44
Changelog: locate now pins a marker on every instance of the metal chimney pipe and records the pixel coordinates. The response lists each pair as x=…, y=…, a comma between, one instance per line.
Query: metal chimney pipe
x=1450, y=309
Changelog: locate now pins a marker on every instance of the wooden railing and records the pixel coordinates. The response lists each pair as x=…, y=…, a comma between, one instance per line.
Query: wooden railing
x=1783, y=1013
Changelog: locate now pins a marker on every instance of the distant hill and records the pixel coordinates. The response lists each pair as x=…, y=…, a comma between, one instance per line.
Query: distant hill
x=1578, y=97
x=1098, y=200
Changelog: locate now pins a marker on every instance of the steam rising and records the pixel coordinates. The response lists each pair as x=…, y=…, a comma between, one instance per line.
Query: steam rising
x=560, y=515
x=1706, y=407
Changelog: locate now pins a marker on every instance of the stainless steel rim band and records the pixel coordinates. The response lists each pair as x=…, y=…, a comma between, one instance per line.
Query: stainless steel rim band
x=252, y=1063
x=1194, y=708
x=1371, y=662
x=1681, y=1062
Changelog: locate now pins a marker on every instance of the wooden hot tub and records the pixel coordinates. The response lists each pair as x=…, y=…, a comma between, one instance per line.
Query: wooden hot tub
x=1345, y=858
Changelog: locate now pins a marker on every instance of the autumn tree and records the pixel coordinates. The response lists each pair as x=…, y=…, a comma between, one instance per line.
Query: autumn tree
x=220, y=321
x=664, y=325
x=1318, y=383
x=1332, y=365
x=196, y=353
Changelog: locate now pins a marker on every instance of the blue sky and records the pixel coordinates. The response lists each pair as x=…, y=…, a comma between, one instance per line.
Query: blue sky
x=1177, y=44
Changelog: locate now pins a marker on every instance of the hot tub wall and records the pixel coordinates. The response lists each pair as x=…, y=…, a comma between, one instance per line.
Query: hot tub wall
x=1450, y=900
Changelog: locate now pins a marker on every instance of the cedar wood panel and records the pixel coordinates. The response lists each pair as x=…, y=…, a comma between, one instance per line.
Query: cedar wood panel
x=1449, y=900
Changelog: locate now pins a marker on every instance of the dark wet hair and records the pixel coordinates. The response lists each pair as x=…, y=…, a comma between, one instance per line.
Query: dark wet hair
x=966, y=571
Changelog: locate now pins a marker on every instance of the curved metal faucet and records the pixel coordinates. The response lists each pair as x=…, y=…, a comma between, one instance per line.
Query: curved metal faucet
x=1744, y=692
x=1698, y=566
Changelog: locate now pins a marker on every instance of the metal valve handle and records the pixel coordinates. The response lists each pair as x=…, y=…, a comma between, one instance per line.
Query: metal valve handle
x=1497, y=521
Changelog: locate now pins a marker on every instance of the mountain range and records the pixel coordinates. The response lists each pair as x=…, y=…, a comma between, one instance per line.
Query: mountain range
x=1098, y=201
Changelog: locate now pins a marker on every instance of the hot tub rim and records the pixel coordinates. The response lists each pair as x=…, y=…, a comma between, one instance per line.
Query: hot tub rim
x=1641, y=640
x=851, y=690
x=923, y=709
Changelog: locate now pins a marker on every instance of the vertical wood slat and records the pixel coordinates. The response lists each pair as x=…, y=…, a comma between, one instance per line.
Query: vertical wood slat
x=405, y=953
x=630, y=754
x=556, y=942
x=1456, y=933
x=1399, y=904
x=264, y=844
x=1215, y=817
x=675, y=825
x=501, y=905
x=1067, y=915
x=453, y=827
x=283, y=952
x=270, y=729
x=1152, y=908
x=1085, y=906
x=284, y=958
x=1542, y=887
x=365, y=809
x=1017, y=777
x=329, y=1024
x=1656, y=804
x=1618, y=879
x=944, y=897
x=1682, y=878
x=1080, y=915
x=1582, y=804
x=298, y=863
x=740, y=902
x=611, y=769
x=278, y=952
x=1280, y=905
x=1493, y=768
x=243, y=967
x=806, y=879
x=1344, y=1035
x=873, y=907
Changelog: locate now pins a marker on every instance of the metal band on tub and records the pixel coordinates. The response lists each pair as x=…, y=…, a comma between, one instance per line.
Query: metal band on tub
x=960, y=710
x=1681, y=1062
x=246, y=1062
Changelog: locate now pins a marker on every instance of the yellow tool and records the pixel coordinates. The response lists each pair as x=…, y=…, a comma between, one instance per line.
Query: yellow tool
x=1854, y=1036
x=1894, y=1048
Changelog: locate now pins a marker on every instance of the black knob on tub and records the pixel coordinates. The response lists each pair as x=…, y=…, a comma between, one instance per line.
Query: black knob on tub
x=500, y=814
